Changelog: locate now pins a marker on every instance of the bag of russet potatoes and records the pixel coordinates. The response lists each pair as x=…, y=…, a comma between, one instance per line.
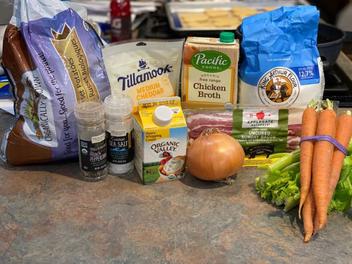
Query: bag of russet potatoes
x=54, y=59
x=280, y=64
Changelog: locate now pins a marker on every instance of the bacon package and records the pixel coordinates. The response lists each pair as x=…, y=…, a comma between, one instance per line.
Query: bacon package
x=54, y=59
x=260, y=131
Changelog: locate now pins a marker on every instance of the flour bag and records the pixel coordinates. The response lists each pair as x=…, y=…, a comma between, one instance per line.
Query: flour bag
x=280, y=64
x=54, y=59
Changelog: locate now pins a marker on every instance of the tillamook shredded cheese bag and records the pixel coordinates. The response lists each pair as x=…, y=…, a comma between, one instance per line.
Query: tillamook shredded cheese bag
x=281, y=66
x=54, y=59
x=144, y=69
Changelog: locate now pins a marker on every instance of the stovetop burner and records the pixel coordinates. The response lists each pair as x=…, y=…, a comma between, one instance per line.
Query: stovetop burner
x=338, y=87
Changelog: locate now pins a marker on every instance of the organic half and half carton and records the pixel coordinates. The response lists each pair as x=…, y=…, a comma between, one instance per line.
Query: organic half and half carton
x=210, y=71
x=160, y=140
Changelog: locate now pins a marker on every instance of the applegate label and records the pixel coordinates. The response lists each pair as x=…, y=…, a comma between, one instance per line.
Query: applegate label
x=70, y=49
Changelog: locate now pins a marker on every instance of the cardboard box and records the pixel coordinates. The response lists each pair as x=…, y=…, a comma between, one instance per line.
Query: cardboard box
x=209, y=72
x=160, y=140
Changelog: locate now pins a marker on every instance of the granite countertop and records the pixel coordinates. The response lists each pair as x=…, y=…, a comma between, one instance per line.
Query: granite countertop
x=47, y=215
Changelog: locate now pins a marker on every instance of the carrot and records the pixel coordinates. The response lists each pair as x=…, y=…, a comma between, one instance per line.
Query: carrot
x=308, y=216
x=343, y=136
x=322, y=164
x=309, y=126
x=316, y=222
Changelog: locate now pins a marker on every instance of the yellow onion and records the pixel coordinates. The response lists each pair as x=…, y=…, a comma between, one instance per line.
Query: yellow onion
x=214, y=156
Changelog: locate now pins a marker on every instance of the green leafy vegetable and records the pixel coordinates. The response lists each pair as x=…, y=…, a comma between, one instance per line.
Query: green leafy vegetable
x=280, y=184
x=342, y=199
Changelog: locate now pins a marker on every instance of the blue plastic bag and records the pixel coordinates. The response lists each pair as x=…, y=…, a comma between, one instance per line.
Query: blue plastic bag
x=5, y=88
x=280, y=63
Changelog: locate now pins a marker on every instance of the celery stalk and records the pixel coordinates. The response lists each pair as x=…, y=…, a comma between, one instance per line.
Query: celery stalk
x=285, y=161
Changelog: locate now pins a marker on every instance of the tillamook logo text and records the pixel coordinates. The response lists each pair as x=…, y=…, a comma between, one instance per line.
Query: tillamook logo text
x=133, y=79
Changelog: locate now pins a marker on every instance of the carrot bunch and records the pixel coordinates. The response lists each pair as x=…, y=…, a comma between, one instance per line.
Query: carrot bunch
x=320, y=163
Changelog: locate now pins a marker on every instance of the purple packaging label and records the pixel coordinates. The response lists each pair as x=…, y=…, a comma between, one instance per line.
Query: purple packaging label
x=69, y=68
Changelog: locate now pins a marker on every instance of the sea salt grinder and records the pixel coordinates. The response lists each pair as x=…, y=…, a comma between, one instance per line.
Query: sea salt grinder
x=119, y=128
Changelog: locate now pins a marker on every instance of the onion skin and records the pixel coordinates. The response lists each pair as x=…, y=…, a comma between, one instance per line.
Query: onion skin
x=214, y=157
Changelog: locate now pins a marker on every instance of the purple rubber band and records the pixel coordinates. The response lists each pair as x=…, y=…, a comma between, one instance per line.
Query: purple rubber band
x=326, y=138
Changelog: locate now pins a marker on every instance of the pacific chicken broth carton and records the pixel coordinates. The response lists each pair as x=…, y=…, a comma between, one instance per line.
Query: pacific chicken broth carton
x=160, y=140
x=210, y=68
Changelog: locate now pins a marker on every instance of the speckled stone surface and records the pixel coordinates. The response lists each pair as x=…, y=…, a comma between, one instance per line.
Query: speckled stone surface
x=47, y=215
